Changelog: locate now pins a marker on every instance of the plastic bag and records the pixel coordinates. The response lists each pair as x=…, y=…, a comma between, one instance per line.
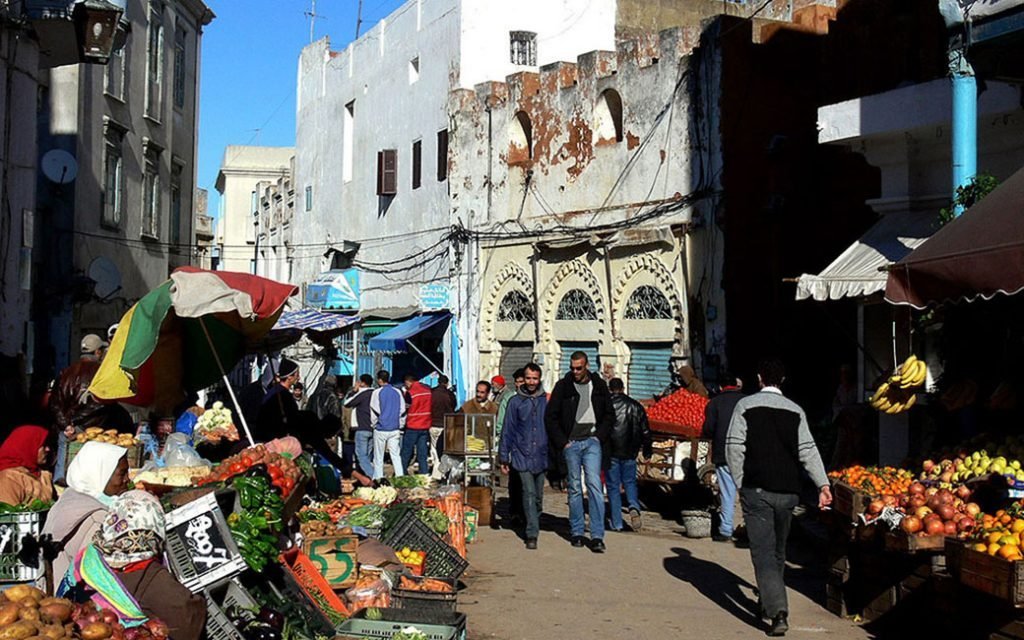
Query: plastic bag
x=178, y=453
x=375, y=593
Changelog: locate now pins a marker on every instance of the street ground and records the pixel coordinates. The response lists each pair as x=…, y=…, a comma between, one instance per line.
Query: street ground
x=654, y=584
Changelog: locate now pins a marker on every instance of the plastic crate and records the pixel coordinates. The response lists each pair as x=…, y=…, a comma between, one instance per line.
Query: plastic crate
x=199, y=545
x=306, y=586
x=436, y=626
x=14, y=528
x=430, y=601
x=442, y=560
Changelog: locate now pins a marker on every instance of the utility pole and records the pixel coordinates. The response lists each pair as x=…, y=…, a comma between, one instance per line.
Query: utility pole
x=313, y=15
x=359, y=18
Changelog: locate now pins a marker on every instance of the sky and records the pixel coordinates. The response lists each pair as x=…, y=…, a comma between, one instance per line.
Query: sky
x=249, y=61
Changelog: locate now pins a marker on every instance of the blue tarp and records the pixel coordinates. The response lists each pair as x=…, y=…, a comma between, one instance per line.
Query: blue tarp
x=394, y=339
x=313, y=320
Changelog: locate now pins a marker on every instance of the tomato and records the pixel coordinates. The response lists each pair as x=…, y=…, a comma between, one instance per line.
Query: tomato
x=246, y=461
x=275, y=472
x=288, y=484
x=236, y=467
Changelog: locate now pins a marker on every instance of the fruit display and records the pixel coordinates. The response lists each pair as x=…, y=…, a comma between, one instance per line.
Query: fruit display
x=934, y=512
x=1001, y=534
x=409, y=556
x=110, y=436
x=897, y=394
x=172, y=476
x=216, y=424
x=964, y=466
x=681, y=407
x=875, y=481
x=284, y=473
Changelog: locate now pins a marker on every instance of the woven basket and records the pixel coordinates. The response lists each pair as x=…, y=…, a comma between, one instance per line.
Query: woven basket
x=697, y=523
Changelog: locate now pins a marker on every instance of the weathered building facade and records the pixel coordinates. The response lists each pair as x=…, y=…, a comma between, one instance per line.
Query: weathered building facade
x=127, y=219
x=274, y=229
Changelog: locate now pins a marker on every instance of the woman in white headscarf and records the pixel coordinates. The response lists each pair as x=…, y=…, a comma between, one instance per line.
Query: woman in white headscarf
x=97, y=475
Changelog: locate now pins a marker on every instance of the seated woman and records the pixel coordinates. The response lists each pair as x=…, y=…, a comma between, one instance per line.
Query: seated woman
x=95, y=477
x=121, y=570
x=22, y=456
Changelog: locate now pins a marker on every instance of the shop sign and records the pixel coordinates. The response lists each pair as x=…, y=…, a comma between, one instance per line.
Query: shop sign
x=434, y=296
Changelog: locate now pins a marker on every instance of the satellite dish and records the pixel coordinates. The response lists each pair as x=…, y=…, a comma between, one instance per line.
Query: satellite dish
x=59, y=166
x=106, y=275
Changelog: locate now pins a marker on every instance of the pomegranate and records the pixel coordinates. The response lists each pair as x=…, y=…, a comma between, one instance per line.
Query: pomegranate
x=928, y=465
x=911, y=524
x=972, y=509
x=934, y=503
x=950, y=528
x=945, y=496
x=875, y=507
x=965, y=523
x=916, y=488
x=946, y=512
x=934, y=527
x=963, y=492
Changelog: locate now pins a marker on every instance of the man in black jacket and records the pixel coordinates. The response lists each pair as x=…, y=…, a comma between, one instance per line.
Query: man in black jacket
x=630, y=434
x=717, y=416
x=579, y=419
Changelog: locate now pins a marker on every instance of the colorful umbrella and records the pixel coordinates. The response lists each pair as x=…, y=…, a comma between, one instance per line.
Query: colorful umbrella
x=186, y=334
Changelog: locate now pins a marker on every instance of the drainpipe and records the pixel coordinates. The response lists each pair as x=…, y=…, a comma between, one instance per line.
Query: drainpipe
x=965, y=120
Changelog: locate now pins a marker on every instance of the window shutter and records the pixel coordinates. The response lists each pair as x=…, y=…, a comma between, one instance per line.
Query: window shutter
x=442, y=155
x=387, y=172
x=417, y=164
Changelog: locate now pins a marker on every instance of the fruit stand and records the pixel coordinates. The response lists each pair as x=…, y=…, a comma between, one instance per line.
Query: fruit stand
x=679, y=453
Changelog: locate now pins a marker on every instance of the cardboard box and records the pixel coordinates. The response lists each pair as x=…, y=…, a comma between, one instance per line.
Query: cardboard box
x=335, y=557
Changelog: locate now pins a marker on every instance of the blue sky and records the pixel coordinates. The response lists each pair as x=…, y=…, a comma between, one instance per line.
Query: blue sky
x=250, y=56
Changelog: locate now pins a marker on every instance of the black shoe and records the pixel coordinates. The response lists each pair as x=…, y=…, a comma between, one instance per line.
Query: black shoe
x=717, y=537
x=597, y=545
x=780, y=625
x=636, y=522
x=531, y=543
x=578, y=541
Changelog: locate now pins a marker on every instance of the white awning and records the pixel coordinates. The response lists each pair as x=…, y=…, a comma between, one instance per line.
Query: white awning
x=856, y=271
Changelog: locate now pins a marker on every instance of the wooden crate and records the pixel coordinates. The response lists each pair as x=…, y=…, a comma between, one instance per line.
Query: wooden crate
x=335, y=557
x=848, y=502
x=988, y=574
x=900, y=542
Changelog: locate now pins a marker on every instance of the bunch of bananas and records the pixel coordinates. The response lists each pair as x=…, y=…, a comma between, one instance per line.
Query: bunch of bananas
x=896, y=395
x=475, y=444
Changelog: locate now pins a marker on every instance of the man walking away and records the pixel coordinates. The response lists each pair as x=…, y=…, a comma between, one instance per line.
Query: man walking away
x=442, y=402
x=524, y=447
x=579, y=420
x=717, y=416
x=416, y=441
x=630, y=434
x=358, y=400
x=768, y=444
x=387, y=413
x=515, y=489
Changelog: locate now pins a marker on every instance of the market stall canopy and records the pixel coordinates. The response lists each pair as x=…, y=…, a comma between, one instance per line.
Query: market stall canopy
x=978, y=255
x=396, y=339
x=162, y=347
x=321, y=327
x=856, y=272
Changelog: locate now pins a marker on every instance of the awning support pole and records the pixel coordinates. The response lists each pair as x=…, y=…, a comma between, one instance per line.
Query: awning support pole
x=965, y=121
x=227, y=383
x=424, y=356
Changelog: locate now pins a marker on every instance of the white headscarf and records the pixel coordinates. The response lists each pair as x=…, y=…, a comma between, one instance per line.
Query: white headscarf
x=92, y=468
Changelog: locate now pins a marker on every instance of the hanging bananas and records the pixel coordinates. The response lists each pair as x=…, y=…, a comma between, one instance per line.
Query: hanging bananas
x=896, y=395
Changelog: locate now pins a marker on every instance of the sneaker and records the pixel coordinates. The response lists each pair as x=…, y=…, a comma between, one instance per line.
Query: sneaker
x=636, y=522
x=597, y=545
x=578, y=541
x=531, y=543
x=780, y=625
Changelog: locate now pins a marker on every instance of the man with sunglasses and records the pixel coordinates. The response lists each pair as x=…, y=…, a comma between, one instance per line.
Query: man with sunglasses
x=579, y=419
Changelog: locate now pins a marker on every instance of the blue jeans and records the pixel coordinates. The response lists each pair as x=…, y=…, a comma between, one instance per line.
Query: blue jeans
x=532, y=503
x=416, y=442
x=727, y=493
x=621, y=474
x=62, y=454
x=364, y=452
x=585, y=456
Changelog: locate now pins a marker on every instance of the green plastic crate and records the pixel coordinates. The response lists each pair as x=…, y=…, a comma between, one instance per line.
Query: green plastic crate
x=436, y=626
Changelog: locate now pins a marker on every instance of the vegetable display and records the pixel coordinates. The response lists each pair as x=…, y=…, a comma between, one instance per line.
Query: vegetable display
x=427, y=585
x=26, y=612
x=216, y=424
x=32, y=507
x=682, y=407
x=172, y=476
x=410, y=482
x=370, y=515
x=284, y=473
x=256, y=525
x=381, y=495
x=110, y=436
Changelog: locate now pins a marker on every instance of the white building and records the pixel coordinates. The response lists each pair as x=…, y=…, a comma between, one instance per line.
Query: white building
x=241, y=171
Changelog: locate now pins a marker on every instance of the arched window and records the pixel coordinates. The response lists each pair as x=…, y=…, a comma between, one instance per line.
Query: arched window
x=647, y=303
x=516, y=307
x=608, y=117
x=520, y=139
x=576, y=305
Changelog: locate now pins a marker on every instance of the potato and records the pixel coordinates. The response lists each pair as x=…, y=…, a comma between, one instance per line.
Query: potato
x=53, y=632
x=111, y=432
x=9, y=613
x=19, y=592
x=28, y=613
x=92, y=431
x=19, y=631
x=55, y=612
x=91, y=631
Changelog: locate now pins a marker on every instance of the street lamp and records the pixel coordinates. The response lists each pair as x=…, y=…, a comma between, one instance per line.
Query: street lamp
x=73, y=31
x=96, y=24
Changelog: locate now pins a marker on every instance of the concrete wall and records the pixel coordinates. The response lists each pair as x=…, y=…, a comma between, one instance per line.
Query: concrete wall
x=241, y=172
x=19, y=56
x=581, y=177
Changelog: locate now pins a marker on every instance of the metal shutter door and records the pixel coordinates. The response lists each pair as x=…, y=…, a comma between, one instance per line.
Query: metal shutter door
x=514, y=355
x=589, y=348
x=648, y=369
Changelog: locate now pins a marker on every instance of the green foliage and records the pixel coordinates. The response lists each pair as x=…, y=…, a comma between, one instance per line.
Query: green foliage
x=966, y=196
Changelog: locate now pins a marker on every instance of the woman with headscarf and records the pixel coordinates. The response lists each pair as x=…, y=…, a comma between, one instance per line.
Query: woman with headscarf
x=22, y=456
x=121, y=571
x=97, y=475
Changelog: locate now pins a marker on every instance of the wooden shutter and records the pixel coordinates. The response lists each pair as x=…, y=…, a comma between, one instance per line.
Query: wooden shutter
x=417, y=163
x=442, y=155
x=387, y=172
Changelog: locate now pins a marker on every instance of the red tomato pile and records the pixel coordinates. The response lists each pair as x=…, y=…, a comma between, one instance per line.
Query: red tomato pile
x=682, y=407
x=284, y=473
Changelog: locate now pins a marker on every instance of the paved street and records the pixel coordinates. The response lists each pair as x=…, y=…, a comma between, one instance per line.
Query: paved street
x=653, y=585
